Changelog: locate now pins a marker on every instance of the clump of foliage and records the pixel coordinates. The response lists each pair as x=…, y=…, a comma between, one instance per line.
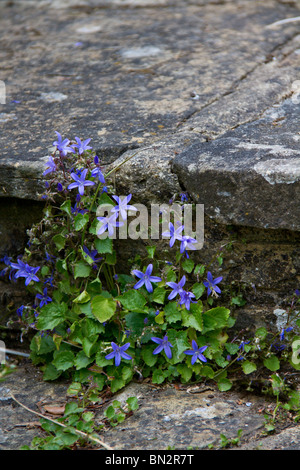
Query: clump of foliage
x=159, y=319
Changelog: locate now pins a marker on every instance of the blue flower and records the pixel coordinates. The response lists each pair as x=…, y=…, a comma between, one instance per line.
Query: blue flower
x=164, y=344
x=26, y=271
x=118, y=353
x=123, y=206
x=97, y=173
x=82, y=146
x=211, y=284
x=187, y=243
x=92, y=254
x=44, y=298
x=242, y=345
x=109, y=223
x=174, y=233
x=51, y=166
x=196, y=352
x=186, y=299
x=62, y=145
x=286, y=330
x=177, y=288
x=145, y=278
x=80, y=182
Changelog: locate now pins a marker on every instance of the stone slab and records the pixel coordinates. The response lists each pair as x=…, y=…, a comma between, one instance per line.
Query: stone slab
x=124, y=73
x=249, y=176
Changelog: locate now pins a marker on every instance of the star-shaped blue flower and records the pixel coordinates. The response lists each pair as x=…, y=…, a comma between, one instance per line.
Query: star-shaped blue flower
x=109, y=223
x=82, y=146
x=196, y=353
x=211, y=284
x=145, y=278
x=177, y=287
x=164, y=344
x=175, y=234
x=80, y=182
x=62, y=145
x=97, y=173
x=118, y=353
x=123, y=206
x=186, y=298
x=44, y=298
x=51, y=166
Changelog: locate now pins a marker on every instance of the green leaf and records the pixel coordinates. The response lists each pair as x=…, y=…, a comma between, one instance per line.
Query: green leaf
x=198, y=289
x=133, y=403
x=148, y=356
x=248, y=367
x=82, y=360
x=185, y=372
x=117, y=384
x=82, y=298
x=127, y=373
x=103, y=308
x=151, y=251
x=135, y=323
x=172, y=313
x=81, y=269
x=158, y=376
x=272, y=363
x=215, y=318
x=63, y=360
x=261, y=333
x=89, y=345
x=66, y=207
x=193, y=318
x=104, y=246
x=188, y=265
x=232, y=348
x=199, y=269
x=159, y=294
x=51, y=315
x=80, y=221
x=59, y=241
x=51, y=373
x=133, y=300
x=224, y=385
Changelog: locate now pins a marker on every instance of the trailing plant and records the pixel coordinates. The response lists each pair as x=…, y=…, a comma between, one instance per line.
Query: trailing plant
x=159, y=319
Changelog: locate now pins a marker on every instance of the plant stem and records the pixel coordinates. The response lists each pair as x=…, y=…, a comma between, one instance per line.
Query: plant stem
x=80, y=433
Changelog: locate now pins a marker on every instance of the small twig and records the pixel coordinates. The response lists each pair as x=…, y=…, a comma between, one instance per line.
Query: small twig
x=80, y=433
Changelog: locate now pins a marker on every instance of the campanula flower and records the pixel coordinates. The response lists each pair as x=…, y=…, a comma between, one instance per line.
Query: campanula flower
x=211, y=284
x=123, y=206
x=187, y=243
x=174, y=233
x=145, y=278
x=92, y=254
x=196, y=352
x=118, y=353
x=97, y=173
x=44, y=298
x=50, y=166
x=82, y=146
x=62, y=145
x=26, y=271
x=164, y=344
x=286, y=330
x=177, y=287
x=186, y=298
x=109, y=223
x=80, y=182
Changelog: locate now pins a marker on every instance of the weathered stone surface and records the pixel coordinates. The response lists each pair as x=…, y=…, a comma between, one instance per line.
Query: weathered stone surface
x=251, y=175
x=181, y=418
x=127, y=80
